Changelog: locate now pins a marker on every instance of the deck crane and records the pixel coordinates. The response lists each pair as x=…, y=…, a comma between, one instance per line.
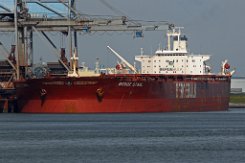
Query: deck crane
x=24, y=24
x=132, y=68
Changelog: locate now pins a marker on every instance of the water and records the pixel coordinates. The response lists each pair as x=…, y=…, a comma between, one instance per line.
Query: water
x=155, y=137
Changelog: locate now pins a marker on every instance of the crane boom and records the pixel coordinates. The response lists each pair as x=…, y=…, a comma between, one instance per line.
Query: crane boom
x=124, y=60
x=24, y=22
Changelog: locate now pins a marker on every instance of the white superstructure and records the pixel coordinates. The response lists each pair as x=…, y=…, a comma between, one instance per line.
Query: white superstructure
x=175, y=59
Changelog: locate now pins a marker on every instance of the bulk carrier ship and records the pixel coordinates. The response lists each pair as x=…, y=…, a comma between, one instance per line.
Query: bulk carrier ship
x=171, y=80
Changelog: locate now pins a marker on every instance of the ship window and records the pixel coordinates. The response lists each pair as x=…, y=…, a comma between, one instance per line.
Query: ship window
x=149, y=61
x=193, y=60
x=177, y=60
x=154, y=60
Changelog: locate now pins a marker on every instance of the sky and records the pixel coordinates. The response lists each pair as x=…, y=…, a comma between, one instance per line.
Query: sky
x=214, y=27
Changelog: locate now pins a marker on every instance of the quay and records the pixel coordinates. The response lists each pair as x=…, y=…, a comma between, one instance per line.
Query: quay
x=7, y=100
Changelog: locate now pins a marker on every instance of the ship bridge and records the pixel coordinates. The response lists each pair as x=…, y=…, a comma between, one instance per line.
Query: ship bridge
x=175, y=59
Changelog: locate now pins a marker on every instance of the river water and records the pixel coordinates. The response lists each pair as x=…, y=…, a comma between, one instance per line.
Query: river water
x=111, y=138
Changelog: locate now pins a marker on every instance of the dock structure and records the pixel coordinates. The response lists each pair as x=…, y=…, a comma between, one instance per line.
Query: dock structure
x=23, y=23
x=7, y=100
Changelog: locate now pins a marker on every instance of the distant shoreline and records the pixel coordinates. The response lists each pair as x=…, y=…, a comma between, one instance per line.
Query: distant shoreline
x=237, y=105
x=237, y=100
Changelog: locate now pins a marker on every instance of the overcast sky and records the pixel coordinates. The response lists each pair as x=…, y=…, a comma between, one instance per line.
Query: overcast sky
x=213, y=27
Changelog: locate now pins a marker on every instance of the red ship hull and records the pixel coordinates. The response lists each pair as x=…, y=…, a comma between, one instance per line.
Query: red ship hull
x=124, y=94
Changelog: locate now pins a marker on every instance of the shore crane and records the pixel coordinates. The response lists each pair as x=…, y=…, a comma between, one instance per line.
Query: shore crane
x=23, y=23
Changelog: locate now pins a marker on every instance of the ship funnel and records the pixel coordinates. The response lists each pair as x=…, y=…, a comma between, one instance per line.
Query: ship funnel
x=175, y=40
x=123, y=60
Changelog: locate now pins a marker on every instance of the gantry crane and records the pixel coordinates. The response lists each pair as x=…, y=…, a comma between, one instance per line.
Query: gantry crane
x=24, y=24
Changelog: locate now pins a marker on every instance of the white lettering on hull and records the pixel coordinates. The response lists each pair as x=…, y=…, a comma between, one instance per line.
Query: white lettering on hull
x=130, y=84
x=69, y=83
x=185, y=90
